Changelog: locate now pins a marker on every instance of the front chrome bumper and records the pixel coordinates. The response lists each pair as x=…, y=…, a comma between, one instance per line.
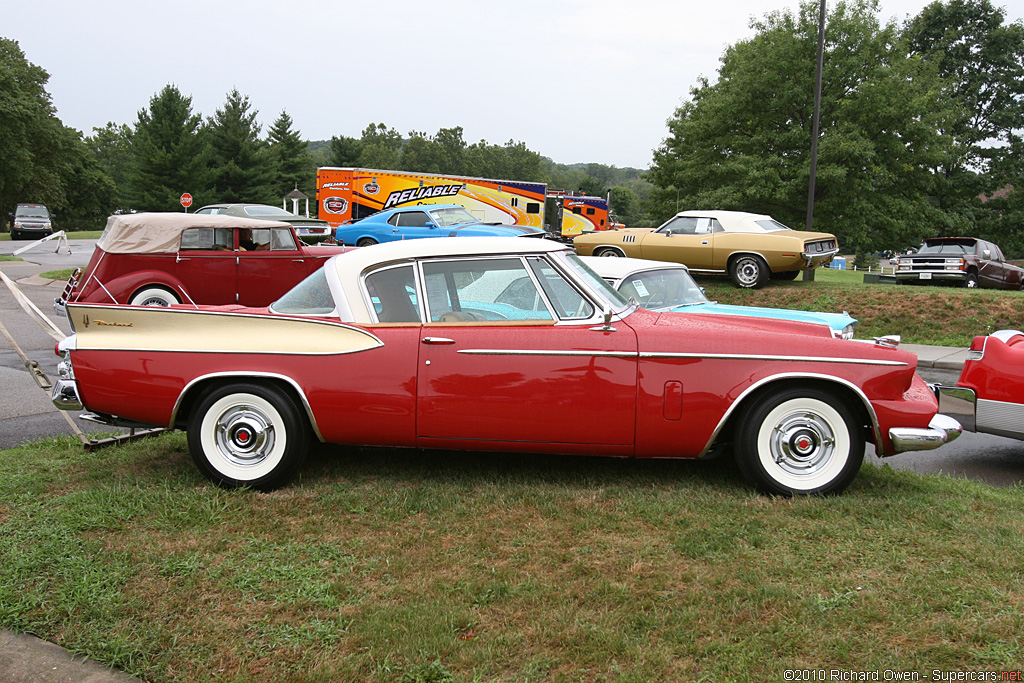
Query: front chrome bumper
x=942, y=429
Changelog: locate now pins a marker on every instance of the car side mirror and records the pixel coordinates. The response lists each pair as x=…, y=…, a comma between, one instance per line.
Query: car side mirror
x=432, y=226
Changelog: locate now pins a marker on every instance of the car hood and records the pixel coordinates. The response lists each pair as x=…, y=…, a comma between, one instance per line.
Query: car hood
x=24, y=220
x=835, y=321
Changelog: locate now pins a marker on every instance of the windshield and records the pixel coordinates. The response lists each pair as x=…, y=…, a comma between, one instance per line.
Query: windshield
x=261, y=210
x=663, y=288
x=453, y=216
x=32, y=212
x=947, y=248
x=594, y=280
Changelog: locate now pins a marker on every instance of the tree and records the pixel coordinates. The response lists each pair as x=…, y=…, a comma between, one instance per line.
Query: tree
x=344, y=152
x=170, y=154
x=239, y=161
x=40, y=155
x=111, y=147
x=380, y=147
x=981, y=60
x=289, y=156
x=743, y=141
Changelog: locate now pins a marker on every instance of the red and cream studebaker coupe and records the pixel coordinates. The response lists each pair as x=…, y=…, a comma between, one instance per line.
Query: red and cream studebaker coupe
x=989, y=396
x=493, y=344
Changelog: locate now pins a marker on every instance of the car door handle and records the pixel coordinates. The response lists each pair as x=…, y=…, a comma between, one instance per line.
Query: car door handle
x=438, y=340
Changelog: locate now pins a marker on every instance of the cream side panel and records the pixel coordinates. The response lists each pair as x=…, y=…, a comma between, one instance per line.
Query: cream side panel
x=163, y=329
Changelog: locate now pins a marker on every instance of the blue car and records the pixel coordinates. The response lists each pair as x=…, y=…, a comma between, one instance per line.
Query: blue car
x=662, y=286
x=425, y=220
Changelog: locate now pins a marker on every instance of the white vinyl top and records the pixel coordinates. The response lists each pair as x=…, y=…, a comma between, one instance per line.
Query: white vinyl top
x=160, y=233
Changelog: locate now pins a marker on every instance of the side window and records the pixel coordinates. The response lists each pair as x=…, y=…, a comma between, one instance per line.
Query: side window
x=413, y=219
x=568, y=303
x=704, y=226
x=476, y=290
x=281, y=239
x=207, y=239
x=680, y=225
x=392, y=294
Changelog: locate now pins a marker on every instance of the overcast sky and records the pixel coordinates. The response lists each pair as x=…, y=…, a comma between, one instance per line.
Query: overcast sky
x=576, y=80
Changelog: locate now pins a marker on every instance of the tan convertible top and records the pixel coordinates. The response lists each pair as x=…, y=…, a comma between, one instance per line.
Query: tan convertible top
x=160, y=233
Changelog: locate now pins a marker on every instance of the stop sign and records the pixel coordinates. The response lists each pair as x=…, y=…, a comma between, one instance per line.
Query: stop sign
x=186, y=200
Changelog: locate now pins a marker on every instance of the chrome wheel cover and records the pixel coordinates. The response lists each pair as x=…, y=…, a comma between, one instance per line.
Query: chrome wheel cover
x=244, y=435
x=802, y=443
x=747, y=270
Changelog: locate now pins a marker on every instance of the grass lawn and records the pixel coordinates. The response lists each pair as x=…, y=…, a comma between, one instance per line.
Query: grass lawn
x=945, y=316
x=78, y=235
x=385, y=565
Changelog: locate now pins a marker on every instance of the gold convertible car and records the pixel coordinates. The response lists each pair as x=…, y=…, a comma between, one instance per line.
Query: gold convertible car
x=749, y=247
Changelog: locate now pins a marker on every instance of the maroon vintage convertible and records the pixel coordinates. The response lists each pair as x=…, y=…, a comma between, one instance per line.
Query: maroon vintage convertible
x=493, y=344
x=160, y=259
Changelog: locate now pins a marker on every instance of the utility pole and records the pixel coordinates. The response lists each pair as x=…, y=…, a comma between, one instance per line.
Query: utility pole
x=809, y=274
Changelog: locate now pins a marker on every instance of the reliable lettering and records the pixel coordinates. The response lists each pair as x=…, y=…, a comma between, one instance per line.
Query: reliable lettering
x=418, y=193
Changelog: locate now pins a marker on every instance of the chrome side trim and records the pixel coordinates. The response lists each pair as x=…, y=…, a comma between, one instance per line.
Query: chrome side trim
x=774, y=378
x=745, y=356
x=670, y=355
x=246, y=375
x=546, y=352
x=1000, y=418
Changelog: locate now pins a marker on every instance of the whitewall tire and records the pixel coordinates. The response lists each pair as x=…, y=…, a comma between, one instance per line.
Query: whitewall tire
x=248, y=435
x=799, y=442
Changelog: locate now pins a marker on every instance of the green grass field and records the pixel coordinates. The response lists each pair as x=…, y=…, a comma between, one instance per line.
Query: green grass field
x=384, y=565
x=945, y=316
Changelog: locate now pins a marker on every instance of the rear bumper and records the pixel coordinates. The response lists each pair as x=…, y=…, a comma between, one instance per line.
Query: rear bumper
x=959, y=403
x=941, y=430
x=65, y=395
x=1001, y=418
x=818, y=259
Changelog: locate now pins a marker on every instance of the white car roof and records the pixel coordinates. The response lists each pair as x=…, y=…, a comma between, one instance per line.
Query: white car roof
x=618, y=268
x=733, y=221
x=349, y=267
x=359, y=260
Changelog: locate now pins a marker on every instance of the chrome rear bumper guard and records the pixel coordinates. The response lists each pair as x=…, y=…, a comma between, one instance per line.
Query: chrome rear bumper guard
x=941, y=430
x=65, y=395
x=817, y=259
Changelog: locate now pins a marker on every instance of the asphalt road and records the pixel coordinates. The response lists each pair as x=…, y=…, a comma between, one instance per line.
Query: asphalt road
x=26, y=413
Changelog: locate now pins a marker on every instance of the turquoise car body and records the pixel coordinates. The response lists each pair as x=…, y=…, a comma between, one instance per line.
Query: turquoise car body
x=662, y=286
